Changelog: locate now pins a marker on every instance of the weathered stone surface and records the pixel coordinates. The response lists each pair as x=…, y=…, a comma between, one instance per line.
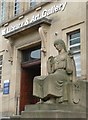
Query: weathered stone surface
x=60, y=107
x=53, y=111
x=64, y=110
x=53, y=114
x=53, y=88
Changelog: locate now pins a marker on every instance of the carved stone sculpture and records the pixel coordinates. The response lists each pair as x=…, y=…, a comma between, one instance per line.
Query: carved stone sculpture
x=53, y=88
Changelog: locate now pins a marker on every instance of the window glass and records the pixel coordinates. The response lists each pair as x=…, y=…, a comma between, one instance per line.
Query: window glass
x=31, y=55
x=16, y=7
x=78, y=64
x=0, y=72
x=74, y=41
x=74, y=35
x=1, y=58
x=0, y=62
x=74, y=46
x=35, y=54
x=0, y=68
x=32, y=3
x=75, y=49
x=3, y=6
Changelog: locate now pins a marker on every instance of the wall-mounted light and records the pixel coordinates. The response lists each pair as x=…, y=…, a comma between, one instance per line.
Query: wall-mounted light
x=39, y=8
x=21, y=17
x=56, y=33
x=6, y=24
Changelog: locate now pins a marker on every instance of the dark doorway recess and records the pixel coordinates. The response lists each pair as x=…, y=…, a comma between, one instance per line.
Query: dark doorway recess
x=29, y=69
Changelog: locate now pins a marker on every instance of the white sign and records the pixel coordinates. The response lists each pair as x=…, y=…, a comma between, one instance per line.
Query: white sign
x=6, y=81
x=44, y=13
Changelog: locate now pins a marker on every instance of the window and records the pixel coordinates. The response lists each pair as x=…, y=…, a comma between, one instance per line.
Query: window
x=46, y=0
x=31, y=55
x=32, y=3
x=74, y=46
x=16, y=7
x=1, y=57
x=3, y=6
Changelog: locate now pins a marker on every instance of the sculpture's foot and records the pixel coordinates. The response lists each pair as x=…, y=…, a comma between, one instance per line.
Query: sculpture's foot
x=50, y=101
x=61, y=100
x=40, y=102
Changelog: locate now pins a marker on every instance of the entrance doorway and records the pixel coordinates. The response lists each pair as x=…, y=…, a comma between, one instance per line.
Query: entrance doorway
x=29, y=69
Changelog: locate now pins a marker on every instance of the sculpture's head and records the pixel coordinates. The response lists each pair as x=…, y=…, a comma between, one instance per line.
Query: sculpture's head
x=59, y=44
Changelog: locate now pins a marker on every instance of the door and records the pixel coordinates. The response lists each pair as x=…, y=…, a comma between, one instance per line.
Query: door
x=29, y=69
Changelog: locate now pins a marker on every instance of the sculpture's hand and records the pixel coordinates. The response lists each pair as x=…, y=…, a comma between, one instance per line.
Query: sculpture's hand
x=51, y=59
x=50, y=63
x=76, y=84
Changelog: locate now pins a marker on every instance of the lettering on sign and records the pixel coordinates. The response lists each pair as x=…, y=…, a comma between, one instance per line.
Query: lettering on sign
x=43, y=14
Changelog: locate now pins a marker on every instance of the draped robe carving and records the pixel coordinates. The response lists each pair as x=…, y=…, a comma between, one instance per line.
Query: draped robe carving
x=61, y=71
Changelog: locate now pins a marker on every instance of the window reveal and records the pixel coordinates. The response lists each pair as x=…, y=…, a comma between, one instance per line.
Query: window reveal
x=74, y=46
x=1, y=58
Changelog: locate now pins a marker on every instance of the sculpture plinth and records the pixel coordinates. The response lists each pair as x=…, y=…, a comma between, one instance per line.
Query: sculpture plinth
x=53, y=111
x=62, y=110
x=61, y=95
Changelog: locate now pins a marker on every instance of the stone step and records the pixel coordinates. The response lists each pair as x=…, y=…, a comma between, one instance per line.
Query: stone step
x=54, y=107
x=53, y=114
x=15, y=117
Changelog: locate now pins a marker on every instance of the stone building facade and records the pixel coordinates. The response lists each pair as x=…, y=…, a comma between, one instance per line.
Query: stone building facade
x=27, y=34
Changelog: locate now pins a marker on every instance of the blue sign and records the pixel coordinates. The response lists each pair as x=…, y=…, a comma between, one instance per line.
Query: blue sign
x=6, y=88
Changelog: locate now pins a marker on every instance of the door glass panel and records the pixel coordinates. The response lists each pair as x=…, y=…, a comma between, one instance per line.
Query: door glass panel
x=31, y=54
x=35, y=54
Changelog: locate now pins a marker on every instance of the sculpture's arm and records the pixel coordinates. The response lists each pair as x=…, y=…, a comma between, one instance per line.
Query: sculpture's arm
x=71, y=67
x=69, y=64
x=50, y=65
x=74, y=71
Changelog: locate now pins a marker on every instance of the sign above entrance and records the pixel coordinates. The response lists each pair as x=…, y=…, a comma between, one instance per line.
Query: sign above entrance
x=43, y=14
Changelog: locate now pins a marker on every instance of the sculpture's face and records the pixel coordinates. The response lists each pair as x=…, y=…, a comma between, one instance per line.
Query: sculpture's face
x=59, y=47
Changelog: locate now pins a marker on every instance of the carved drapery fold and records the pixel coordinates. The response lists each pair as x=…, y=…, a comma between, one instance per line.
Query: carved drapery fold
x=9, y=49
x=42, y=33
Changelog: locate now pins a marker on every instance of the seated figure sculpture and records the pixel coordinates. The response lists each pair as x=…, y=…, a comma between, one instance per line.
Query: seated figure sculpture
x=61, y=70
